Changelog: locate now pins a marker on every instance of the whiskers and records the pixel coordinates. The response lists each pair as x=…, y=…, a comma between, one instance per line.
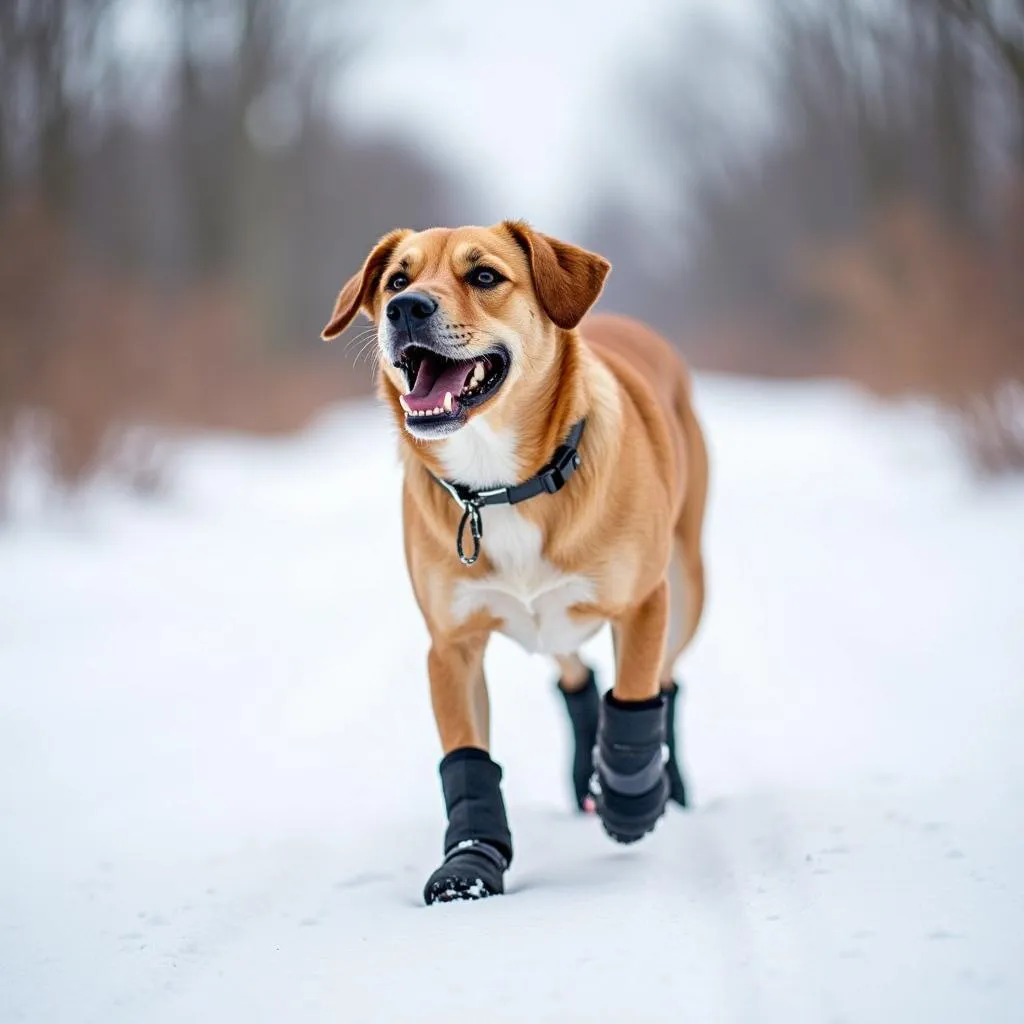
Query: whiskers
x=365, y=345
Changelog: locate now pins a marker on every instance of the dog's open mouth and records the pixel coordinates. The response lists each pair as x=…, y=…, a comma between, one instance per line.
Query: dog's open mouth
x=442, y=389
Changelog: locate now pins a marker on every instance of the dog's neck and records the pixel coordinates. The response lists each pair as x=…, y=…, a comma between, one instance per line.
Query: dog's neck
x=481, y=456
x=486, y=453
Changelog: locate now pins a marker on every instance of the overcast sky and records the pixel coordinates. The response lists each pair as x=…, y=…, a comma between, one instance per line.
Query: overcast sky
x=528, y=98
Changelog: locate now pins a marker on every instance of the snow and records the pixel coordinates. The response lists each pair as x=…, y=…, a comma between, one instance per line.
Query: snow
x=218, y=786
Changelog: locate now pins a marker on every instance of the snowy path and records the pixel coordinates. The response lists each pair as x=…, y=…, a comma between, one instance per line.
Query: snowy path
x=218, y=796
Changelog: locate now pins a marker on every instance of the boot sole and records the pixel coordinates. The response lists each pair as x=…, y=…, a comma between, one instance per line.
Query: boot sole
x=455, y=890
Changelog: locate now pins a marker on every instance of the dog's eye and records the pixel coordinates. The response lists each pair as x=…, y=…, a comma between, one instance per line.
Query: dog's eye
x=484, y=277
x=397, y=282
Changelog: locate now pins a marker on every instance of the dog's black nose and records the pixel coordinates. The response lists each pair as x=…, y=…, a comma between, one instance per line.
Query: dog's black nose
x=413, y=307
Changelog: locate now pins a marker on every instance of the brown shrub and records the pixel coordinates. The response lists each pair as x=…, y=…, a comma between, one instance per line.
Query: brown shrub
x=922, y=310
x=86, y=355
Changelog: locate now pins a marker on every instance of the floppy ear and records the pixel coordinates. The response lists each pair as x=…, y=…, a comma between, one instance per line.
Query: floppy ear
x=360, y=287
x=567, y=279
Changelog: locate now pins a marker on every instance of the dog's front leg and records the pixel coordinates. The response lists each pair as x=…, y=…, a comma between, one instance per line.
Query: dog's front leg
x=458, y=692
x=477, y=844
x=631, y=786
x=640, y=647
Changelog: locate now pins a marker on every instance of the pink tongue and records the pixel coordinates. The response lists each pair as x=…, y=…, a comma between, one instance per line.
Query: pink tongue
x=434, y=379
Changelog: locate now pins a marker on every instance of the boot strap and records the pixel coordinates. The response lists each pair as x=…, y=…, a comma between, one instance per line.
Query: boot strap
x=478, y=846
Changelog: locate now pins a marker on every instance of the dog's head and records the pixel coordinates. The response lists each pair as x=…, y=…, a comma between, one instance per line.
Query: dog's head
x=467, y=317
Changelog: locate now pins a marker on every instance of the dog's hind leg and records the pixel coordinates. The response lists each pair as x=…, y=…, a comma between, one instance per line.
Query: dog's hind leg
x=573, y=672
x=680, y=588
x=686, y=574
x=578, y=687
x=686, y=594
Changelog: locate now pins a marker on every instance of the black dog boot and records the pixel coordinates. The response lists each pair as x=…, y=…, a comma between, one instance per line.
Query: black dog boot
x=630, y=784
x=584, y=707
x=478, y=844
x=676, y=786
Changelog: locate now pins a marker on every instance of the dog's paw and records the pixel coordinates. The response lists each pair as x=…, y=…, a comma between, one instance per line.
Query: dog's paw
x=628, y=818
x=449, y=889
x=630, y=785
x=472, y=871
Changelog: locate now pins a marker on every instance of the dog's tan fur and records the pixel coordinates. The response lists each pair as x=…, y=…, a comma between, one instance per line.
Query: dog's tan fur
x=629, y=522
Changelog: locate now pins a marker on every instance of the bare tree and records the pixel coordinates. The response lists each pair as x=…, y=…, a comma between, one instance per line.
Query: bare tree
x=173, y=259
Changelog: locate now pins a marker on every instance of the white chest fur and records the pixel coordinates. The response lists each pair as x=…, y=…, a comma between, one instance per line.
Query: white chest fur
x=529, y=594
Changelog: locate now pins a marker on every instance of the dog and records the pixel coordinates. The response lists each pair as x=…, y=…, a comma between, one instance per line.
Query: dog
x=555, y=479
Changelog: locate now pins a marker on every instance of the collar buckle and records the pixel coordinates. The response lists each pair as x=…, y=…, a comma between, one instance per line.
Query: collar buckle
x=563, y=464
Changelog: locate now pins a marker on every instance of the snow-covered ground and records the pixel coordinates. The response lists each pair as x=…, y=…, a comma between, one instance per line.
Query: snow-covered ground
x=218, y=790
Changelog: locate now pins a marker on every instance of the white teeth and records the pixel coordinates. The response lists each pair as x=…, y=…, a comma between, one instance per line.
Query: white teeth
x=403, y=403
x=476, y=379
x=446, y=407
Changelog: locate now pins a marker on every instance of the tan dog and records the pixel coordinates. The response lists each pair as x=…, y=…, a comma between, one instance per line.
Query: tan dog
x=487, y=372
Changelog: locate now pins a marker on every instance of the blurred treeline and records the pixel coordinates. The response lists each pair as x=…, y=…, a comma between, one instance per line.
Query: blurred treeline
x=174, y=223
x=174, y=227
x=874, y=230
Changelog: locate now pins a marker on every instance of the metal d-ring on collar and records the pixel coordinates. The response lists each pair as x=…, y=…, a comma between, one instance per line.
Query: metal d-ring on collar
x=551, y=479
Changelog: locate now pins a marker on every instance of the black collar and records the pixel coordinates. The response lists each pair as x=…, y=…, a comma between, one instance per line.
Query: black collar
x=551, y=479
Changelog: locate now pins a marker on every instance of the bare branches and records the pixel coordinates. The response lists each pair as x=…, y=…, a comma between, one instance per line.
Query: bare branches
x=1005, y=37
x=877, y=233
x=176, y=212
